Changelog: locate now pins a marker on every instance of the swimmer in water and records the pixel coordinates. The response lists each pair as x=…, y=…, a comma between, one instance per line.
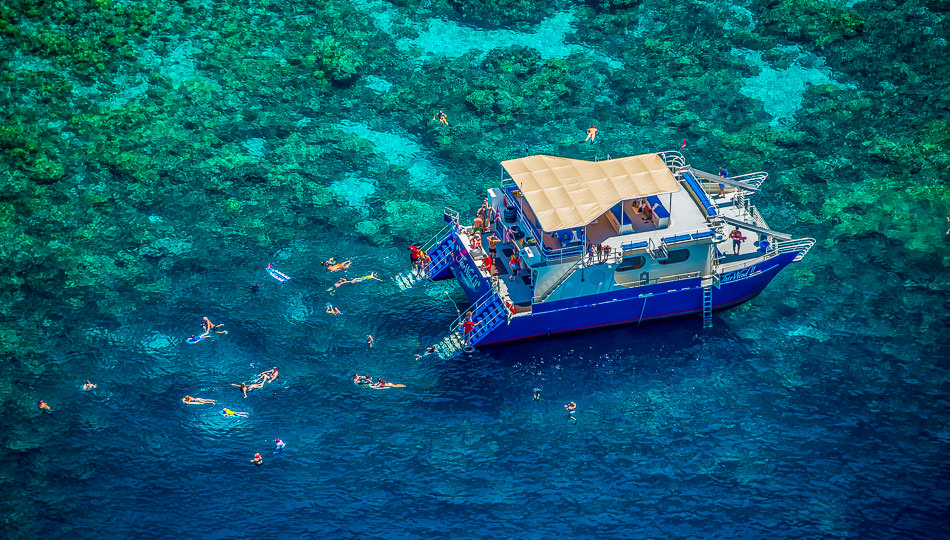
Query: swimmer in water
x=591, y=133
x=429, y=350
x=380, y=383
x=332, y=310
x=89, y=385
x=367, y=277
x=279, y=448
x=243, y=388
x=571, y=407
x=369, y=341
x=362, y=380
x=44, y=406
x=229, y=412
x=537, y=394
x=258, y=460
x=267, y=376
x=441, y=117
x=188, y=400
x=333, y=266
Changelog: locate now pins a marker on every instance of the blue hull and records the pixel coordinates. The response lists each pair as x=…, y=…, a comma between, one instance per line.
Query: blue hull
x=628, y=306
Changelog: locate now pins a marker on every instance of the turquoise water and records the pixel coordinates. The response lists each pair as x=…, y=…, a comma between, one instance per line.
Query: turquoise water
x=156, y=157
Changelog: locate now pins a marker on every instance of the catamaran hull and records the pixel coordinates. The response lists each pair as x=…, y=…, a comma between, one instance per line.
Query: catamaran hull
x=624, y=307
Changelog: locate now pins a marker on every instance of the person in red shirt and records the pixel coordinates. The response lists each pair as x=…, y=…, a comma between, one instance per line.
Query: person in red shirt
x=413, y=255
x=468, y=326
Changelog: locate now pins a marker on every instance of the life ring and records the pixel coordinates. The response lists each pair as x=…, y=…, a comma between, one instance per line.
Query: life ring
x=468, y=349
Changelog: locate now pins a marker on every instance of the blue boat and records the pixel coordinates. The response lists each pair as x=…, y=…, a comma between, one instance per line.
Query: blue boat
x=592, y=244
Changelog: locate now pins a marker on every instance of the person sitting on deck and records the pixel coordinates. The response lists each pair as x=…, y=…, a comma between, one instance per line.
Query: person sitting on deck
x=647, y=212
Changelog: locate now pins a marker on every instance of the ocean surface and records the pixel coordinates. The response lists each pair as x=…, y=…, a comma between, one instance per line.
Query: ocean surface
x=174, y=150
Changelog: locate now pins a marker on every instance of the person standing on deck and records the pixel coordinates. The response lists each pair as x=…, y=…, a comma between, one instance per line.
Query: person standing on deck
x=492, y=242
x=723, y=173
x=737, y=239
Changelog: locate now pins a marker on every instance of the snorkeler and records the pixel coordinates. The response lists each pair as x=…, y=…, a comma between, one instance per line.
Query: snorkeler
x=229, y=412
x=441, y=117
x=332, y=266
x=429, y=350
x=188, y=400
x=380, y=383
x=266, y=376
x=258, y=460
x=343, y=281
x=332, y=310
x=571, y=407
x=89, y=385
x=591, y=133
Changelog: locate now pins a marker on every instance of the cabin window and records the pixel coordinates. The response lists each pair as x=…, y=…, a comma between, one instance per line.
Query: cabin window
x=676, y=256
x=632, y=263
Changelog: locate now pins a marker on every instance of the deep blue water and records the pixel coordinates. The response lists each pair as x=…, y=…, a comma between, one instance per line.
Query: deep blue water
x=739, y=432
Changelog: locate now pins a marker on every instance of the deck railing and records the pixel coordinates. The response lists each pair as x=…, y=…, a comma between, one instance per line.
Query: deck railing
x=546, y=252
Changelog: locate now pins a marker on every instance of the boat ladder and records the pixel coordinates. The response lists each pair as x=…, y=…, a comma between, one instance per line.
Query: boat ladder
x=489, y=312
x=441, y=254
x=658, y=252
x=707, y=301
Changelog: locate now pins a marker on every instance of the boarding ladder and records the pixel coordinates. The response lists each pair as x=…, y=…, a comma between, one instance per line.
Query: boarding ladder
x=440, y=249
x=708, y=283
x=658, y=252
x=489, y=312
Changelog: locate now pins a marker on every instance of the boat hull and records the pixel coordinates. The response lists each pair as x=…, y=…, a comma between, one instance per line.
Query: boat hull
x=631, y=306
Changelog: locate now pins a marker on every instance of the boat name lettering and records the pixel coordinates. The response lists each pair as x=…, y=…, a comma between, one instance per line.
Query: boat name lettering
x=740, y=274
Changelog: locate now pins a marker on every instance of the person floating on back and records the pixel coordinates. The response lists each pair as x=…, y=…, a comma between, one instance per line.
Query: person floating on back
x=441, y=117
x=591, y=133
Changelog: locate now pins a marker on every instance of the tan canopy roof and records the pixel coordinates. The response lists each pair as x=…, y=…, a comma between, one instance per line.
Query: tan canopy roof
x=565, y=193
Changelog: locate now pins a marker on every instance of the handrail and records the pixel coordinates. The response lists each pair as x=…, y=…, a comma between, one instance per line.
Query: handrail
x=473, y=308
x=798, y=244
x=748, y=181
x=546, y=252
x=437, y=237
x=661, y=279
x=537, y=299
